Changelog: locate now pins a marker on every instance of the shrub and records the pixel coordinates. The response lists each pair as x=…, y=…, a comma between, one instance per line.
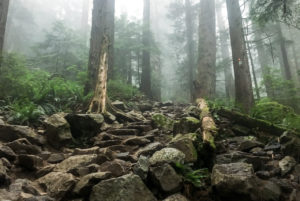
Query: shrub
x=117, y=89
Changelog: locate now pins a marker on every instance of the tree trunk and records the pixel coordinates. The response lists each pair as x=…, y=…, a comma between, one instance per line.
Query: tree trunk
x=85, y=18
x=146, y=68
x=3, y=18
x=190, y=45
x=263, y=59
x=100, y=53
x=243, y=85
x=129, y=73
x=296, y=70
x=286, y=65
x=229, y=81
x=206, y=80
x=102, y=25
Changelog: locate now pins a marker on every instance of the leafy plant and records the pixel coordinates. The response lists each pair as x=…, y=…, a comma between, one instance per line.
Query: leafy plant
x=117, y=89
x=196, y=177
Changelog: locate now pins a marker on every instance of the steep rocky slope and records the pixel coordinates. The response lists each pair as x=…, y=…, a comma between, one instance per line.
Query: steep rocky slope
x=105, y=158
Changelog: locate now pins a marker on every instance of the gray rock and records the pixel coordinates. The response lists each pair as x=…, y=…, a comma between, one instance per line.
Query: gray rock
x=57, y=184
x=85, y=184
x=126, y=188
x=187, y=125
x=23, y=146
x=30, y=162
x=56, y=158
x=187, y=147
x=247, y=145
x=24, y=185
x=58, y=130
x=141, y=168
x=118, y=104
x=149, y=149
x=233, y=181
x=290, y=145
x=4, y=178
x=166, y=178
x=7, y=152
x=167, y=155
x=176, y=197
x=116, y=167
x=287, y=164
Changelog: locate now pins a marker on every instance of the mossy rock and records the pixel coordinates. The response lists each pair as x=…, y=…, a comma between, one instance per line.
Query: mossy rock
x=187, y=125
x=161, y=121
x=185, y=143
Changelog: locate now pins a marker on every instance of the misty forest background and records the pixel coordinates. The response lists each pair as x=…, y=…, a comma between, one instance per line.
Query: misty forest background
x=44, y=63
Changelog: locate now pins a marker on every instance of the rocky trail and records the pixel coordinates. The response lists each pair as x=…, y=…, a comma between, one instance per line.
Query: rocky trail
x=162, y=156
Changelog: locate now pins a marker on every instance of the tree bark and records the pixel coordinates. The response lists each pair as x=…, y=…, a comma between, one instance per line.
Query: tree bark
x=243, y=85
x=206, y=78
x=4, y=4
x=229, y=81
x=263, y=59
x=286, y=65
x=146, y=65
x=100, y=53
x=190, y=45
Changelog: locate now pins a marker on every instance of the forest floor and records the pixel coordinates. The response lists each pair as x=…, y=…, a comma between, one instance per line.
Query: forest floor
x=159, y=156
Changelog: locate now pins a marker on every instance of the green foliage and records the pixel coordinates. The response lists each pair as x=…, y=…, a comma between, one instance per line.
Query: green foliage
x=277, y=114
x=117, y=89
x=195, y=177
x=32, y=93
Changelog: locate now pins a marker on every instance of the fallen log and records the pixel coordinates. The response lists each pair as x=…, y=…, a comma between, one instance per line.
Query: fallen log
x=252, y=123
x=209, y=128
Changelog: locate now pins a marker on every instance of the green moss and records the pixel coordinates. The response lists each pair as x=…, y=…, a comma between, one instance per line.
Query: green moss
x=162, y=121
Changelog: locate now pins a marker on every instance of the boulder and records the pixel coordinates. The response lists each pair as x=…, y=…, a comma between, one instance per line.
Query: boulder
x=119, y=104
x=269, y=191
x=187, y=147
x=287, y=164
x=4, y=178
x=24, y=185
x=290, y=145
x=7, y=152
x=187, y=125
x=116, y=167
x=56, y=158
x=10, y=133
x=176, y=197
x=140, y=141
x=145, y=106
x=234, y=181
x=85, y=125
x=141, y=168
x=167, y=155
x=161, y=121
x=57, y=184
x=166, y=178
x=85, y=184
x=149, y=149
x=30, y=162
x=247, y=145
x=58, y=132
x=76, y=162
x=23, y=146
x=193, y=111
x=126, y=188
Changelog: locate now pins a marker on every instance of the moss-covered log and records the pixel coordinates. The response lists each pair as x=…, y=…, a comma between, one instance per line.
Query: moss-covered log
x=252, y=123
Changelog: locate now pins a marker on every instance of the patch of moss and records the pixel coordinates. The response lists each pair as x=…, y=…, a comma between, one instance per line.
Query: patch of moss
x=162, y=121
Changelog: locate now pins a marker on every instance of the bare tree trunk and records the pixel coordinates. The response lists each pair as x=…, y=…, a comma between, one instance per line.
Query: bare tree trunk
x=229, y=81
x=4, y=4
x=206, y=78
x=146, y=68
x=129, y=73
x=190, y=45
x=102, y=25
x=243, y=85
x=297, y=65
x=100, y=50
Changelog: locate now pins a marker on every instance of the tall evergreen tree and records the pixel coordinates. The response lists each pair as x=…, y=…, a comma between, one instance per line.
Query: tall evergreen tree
x=3, y=18
x=146, y=64
x=243, y=85
x=206, y=79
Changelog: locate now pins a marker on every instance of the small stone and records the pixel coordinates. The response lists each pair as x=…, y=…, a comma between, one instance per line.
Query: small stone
x=56, y=158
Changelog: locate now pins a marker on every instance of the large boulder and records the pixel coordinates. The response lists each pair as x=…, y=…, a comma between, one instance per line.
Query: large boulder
x=85, y=184
x=187, y=125
x=166, y=178
x=234, y=181
x=186, y=145
x=57, y=184
x=58, y=130
x=30, y=162
x=167, y=155
x=23, y=146
x=10, y=133
x=85, y=125
x=290, y=145
x=126, y=188
x=74, y=162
